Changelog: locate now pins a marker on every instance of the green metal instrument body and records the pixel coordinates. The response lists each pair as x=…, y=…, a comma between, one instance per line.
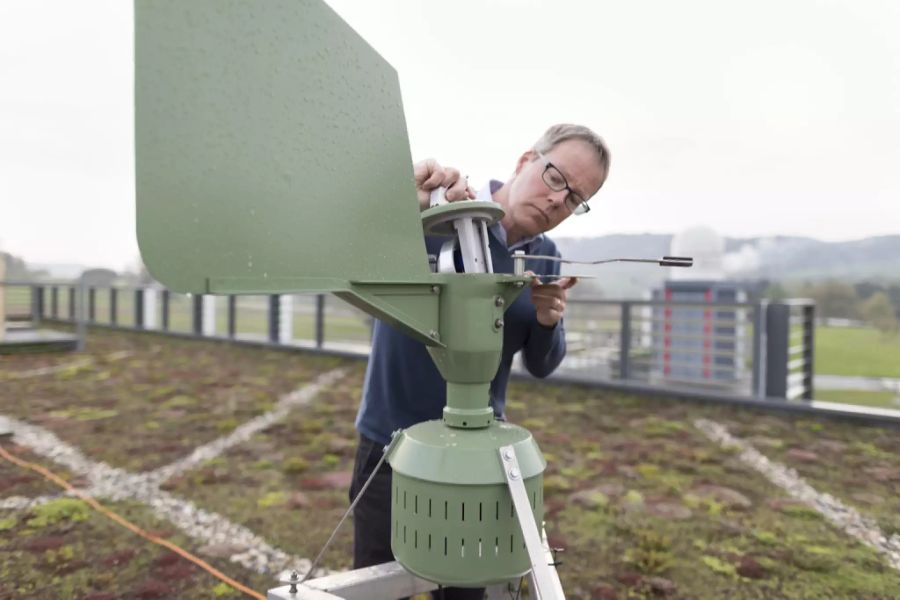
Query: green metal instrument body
x=452, y=518
x=272, y=157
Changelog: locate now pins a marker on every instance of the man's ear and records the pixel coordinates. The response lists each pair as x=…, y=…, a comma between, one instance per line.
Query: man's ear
x=526, y=158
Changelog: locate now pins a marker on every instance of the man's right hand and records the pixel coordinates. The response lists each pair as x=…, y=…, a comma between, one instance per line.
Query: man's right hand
x=430, y=175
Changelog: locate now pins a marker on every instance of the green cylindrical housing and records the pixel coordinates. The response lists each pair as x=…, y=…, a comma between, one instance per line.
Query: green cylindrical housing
x=468, y=405
x=452, y=517
x=471, y=329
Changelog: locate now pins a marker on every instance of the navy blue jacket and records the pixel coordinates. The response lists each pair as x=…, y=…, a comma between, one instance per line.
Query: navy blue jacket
x=403, y=386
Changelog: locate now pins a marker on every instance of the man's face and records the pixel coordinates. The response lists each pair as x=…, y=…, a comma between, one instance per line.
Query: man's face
x=535, y=208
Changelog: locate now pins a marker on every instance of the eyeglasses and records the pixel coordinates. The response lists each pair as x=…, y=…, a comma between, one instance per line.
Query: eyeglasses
x=557, y=182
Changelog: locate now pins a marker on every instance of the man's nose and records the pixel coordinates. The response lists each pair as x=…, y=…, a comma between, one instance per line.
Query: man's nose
x=558, y=198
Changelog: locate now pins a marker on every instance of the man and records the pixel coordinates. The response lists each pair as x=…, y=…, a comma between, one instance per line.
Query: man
x=551, y=181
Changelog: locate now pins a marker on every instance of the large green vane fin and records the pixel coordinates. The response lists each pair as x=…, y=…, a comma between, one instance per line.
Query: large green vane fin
x=271, y=147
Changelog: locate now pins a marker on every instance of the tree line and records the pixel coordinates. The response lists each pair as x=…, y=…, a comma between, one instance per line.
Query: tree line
x=877, y=304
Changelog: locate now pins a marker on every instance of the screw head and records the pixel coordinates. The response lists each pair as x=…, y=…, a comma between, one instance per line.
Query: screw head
x=514, y=473
x=433, y=334
x=498, y=301
x=498, y=324
x=507, y=454
x=435, y=289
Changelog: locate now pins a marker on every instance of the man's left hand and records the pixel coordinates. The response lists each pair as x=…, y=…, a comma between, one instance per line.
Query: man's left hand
x=550, y=300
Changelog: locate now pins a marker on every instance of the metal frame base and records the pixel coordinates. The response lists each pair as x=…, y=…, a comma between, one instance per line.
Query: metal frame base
x=387, y=581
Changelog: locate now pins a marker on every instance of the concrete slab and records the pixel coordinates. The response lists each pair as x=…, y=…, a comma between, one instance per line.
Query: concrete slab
x=19, y=340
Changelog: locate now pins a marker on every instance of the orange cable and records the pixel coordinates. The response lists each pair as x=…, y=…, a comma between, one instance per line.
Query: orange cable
x=129, y=525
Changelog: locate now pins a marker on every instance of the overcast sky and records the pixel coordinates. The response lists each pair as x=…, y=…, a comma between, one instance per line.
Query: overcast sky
x=756, y=118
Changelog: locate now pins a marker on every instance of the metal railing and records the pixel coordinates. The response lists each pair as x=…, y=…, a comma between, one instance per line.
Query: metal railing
x=754, y=350
x=713, y=346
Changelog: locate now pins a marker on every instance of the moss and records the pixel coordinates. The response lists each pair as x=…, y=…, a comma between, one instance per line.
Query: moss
x=556, y=483
x=534, y=423
x=180, y=401
x=869, y=450
x=74, y=371
x=294, y=465
x=221, y=590
x=598, y=500
x=801, y=511
x=273, y=499
x=226, y=425
x=85, y=413
x=62, y=555
x=813, y=561
x=59, y=510
x=8, y=523
x=633, y=498
x=651, y=553
x=596, y=539
x=648, y=470
x=765, y=537
x=717, y=565
x=655, y=427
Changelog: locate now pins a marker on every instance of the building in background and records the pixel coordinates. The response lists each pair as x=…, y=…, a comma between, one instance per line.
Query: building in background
x=698, y=345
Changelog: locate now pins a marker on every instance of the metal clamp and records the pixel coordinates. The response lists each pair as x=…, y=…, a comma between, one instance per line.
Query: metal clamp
x=544, y=578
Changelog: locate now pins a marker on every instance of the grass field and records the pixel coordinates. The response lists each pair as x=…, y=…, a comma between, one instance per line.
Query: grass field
x=857, y=351
x=643, y=503
x=861, y=397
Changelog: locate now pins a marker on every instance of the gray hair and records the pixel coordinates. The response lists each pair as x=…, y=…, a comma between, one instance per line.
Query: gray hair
x=562, y=132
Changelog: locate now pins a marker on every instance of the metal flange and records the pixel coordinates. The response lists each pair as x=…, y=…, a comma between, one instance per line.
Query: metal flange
x=438, y=220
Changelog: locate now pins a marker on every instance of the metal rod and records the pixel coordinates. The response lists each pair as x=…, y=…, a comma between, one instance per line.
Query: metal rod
x=666, y=261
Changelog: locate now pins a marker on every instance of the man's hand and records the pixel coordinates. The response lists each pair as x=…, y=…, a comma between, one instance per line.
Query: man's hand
x=550, y=300
x=430, y=175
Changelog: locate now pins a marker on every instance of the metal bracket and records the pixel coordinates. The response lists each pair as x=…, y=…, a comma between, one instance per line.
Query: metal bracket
x=387, y=581
x=471, y=232
x=544, y=578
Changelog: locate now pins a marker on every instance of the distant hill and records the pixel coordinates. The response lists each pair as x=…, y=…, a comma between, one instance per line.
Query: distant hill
x=61, y=271
x=779, y=258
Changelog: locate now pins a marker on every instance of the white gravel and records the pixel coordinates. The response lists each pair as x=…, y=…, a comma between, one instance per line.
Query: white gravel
x=833, y=510
x=205, y=527
x=244, y=432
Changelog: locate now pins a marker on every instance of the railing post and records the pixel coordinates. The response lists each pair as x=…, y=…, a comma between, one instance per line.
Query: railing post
x=778, y=331
x=285, y=319
x=72, y=303
x=165, y=310
x=113, y=306
x=625, y=341
x=208, y=310
x=92, y=304
x=197, y=314
x=150, y=312
x=320, y=320
x=54, y=301
x=37, y=304
x=759, y=349
x=81, y=326
x=139, y=308
x=809, y=328
x=274, y=314
x=232, y=316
